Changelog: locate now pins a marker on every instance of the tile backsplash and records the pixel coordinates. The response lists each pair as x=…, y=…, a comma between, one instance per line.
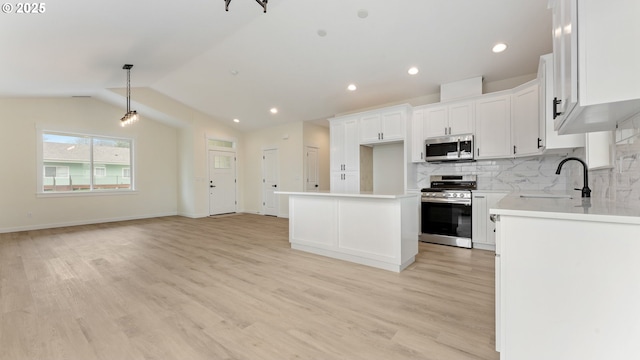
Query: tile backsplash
x=521, y=174
x=621, y=183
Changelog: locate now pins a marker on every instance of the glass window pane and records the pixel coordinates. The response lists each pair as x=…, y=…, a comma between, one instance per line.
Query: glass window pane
x=222, y=162
x=220, y=143
x=111, y=155
x=65, y=158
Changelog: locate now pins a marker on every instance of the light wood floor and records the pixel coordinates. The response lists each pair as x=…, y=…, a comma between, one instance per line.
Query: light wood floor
x=231, y=288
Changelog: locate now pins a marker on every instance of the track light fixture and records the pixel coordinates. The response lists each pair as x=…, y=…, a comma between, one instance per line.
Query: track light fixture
x=262, y=3
x=131, y=116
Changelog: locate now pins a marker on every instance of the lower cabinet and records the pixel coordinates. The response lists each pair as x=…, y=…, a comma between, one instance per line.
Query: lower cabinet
x=568, y=287
x=483, y=230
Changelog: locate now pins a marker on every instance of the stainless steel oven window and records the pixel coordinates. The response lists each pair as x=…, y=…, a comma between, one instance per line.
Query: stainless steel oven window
x=449, y=219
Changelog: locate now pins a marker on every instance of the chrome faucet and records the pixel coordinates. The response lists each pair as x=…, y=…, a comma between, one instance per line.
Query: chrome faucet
x=586, y=192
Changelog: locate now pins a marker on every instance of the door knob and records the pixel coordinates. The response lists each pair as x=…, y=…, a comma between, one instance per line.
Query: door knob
x=274, y=185
x=212, y=186
x=316, y=185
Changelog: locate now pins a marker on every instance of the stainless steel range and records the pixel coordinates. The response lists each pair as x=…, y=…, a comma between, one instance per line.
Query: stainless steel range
x=446, y=210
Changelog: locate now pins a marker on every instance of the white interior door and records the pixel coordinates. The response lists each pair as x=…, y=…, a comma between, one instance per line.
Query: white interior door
x=222, y=182
x=311, y=169
x=269, y=182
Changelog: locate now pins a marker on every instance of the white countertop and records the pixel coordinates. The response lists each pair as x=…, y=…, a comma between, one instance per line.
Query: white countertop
x=362, y=195
x=561, y=206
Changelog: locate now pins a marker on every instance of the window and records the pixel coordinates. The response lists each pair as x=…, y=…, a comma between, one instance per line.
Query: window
x=222, y=162
x=85, y=163
x=213, y=143
x=99, y=171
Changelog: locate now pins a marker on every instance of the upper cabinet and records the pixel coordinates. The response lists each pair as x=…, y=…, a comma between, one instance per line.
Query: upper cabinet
x=345, y=155
x=384, y=125
x=550, y=139
x=417, y=137
x=596, y=56
x=526, y=134
x=493, y=126
x=448, y=119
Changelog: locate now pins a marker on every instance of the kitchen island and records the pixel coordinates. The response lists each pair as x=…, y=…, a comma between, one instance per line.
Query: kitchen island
x=379, y=230
x=567, y=278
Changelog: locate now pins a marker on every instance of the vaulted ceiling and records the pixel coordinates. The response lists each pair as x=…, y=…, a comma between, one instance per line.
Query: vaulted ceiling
x=240, y=63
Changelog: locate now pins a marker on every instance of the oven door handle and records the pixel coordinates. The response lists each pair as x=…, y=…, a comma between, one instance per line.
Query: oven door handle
x=448, y=201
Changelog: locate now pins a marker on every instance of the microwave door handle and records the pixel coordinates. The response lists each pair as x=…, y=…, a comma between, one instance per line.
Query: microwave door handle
x=458, y=148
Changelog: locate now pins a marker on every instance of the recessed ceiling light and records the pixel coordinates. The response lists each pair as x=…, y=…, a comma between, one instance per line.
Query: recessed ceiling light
x=352, y=87
x=234, y=72
x=274, y=110
x=413, y=70
x=499, y=47
x=363, y=13
x=322, y=33
x=236, y=120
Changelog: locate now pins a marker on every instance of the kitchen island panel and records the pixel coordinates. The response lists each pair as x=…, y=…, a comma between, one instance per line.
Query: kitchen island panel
x=312, y=221
x=369, y=229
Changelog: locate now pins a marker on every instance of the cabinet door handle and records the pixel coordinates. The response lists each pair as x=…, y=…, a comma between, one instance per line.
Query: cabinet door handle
x=381, y=136
x=479, y=197
x=478, y=152
x=539, y=143
x=421, y=155
x=556, y=102
x=514, y=149
x=449, y=130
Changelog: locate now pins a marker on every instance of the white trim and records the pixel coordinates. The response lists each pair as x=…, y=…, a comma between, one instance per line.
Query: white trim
x=55, y=194
x=85, y=222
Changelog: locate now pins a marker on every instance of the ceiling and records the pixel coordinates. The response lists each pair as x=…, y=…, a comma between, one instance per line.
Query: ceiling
x=240, y=63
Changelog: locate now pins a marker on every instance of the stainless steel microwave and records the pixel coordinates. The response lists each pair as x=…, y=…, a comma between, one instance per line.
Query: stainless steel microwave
x=449, y=148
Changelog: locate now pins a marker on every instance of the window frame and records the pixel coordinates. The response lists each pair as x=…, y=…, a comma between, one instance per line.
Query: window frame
x=41, y=132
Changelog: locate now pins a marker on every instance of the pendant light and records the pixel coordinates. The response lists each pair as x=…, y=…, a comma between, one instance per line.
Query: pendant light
x=131, y=116
x=262, y=3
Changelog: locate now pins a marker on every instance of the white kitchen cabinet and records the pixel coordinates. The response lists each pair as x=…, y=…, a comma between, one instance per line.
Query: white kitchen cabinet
x=384, y=125
x=483, y=229
x=345, y=154
x=417, y=136
x=525, y=120
x=448, y=119
x=596, y=56
x=345, y=181
x=568, y=280
x=493, y=126
x=550, y=139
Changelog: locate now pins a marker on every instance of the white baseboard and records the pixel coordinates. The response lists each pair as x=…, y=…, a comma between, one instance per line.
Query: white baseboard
x=481, y=246
x=83, y=222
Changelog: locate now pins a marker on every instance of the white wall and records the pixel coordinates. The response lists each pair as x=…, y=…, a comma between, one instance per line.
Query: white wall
x=388, y=168
x=288, y=139
x=155, y=164
x=194, y=128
